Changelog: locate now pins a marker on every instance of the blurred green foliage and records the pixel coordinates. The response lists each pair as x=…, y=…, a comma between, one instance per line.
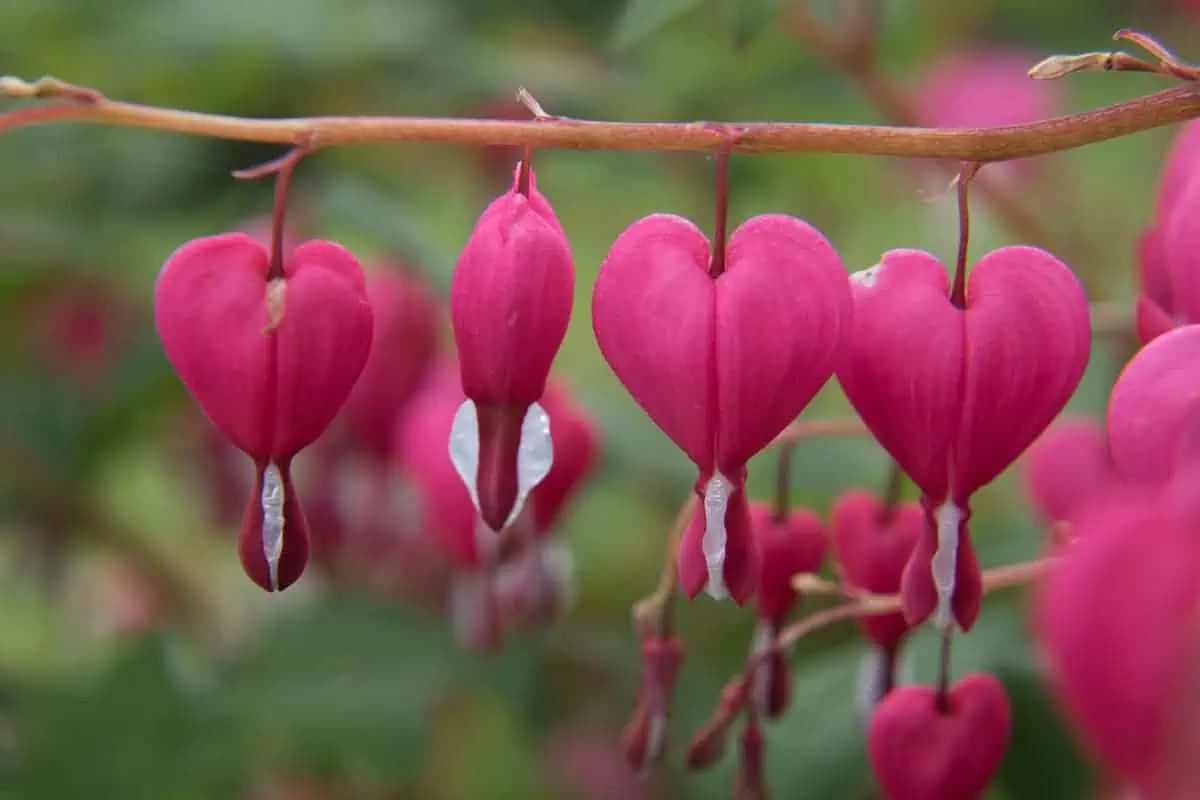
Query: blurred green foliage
x=325, y=692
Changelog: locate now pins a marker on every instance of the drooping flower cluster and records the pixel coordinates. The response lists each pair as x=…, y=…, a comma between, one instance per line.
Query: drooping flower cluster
x=723, y=343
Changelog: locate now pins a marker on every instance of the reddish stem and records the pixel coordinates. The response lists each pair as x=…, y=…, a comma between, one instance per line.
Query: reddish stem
x=523, y=172
x=282, y=168
x=958, y=292
x=717, y=264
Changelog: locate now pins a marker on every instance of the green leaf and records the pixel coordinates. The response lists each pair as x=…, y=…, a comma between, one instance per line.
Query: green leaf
x=133, y=734
x=641, y=18
x=345, y=684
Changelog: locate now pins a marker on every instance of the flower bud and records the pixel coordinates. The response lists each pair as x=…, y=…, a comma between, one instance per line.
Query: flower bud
x=510, y=302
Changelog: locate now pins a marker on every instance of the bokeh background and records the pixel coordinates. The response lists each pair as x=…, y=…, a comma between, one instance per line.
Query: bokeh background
x=136, y=660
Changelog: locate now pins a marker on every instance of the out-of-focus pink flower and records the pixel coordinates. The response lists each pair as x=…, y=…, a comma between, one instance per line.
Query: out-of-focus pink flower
x=1169, y=285
x=79, y=331
x=1117, y=618
x=588, y=765
x=986, y=88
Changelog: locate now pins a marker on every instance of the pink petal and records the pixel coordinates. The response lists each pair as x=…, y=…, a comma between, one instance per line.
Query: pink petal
x=1067, y=466
x=1028, y=340
x=210, y=311
x=741, y=567
x=1154, y=404
x=918, y=591
x=1181, y=252
x=786, y=548
x=902, y=365
x=1117, y=617
x=782, y=306
x=653, y=316
x=919, y=753
x=324, y=341
x=873, y=553
x=510, y=300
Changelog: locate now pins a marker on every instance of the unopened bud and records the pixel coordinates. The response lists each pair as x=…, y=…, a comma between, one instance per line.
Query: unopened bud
x=708, y=745
x=750, y=784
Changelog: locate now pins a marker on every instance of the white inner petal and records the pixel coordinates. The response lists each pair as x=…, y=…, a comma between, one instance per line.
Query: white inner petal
x=716, y=499
x=866, y=277
x=760, y=689
x=872, y=678
x=948, y=518
x=535, y=452
x=535, y=456
x=464, y=447
x=272, y=528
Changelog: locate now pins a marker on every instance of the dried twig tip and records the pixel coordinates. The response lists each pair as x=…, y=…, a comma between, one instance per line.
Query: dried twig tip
x=530, y=102
x=1058, y=66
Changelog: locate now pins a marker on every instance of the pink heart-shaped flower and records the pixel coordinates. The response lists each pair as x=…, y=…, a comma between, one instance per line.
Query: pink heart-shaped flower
x=1154, y=409
x=921, y=752
x=271, y=361
x=872, y=548
x=272, y=389
x=721, y=364
x=787, y=547
x=955, y=395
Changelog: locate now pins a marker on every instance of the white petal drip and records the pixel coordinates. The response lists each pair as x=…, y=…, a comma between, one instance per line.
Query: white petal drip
x=272, y=528
x=716, y=500
x=656, y=737
x=760, y=689
x=948, y=518
x=535, y=456
x=535, y=452
x=464, y=447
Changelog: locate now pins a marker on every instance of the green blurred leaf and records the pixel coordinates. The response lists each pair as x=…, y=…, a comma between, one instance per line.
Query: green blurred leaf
x=133, y=734
x=343, y=684
x=641, y=18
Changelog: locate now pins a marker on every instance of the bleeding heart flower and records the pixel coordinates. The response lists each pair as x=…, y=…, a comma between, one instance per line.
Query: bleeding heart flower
x=873, y=545
x=721, y=364
x=1068, y=466
x=510, y=302
x=956, y=394
x=576, y=448
x=787, y=547
x=920, y=751
x=271, y=361
x=1117, y=617
x=403, y=348
x=1154, y=409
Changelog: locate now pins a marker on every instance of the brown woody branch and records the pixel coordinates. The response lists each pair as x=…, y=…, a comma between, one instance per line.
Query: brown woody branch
x=77, y=104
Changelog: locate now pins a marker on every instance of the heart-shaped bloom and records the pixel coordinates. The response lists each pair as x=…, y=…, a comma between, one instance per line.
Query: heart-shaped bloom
x=271, y=361
x=510, y=302
x=403, y=348
x=721, y=364
x=920, y=751
x=956, y=394
x=873, y=545
x=789, y=546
